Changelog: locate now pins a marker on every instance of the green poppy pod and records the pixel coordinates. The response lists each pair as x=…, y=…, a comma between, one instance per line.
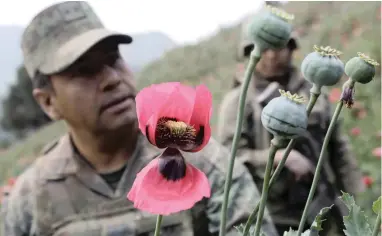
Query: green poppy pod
x=285, y=116
x=361, y=69
x=270, y=29
x=322, y=67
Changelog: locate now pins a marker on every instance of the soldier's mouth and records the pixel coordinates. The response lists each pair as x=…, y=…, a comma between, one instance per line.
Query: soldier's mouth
x=119, y=104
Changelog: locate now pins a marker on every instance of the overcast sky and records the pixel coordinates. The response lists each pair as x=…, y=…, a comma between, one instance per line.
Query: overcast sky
x=184, y=21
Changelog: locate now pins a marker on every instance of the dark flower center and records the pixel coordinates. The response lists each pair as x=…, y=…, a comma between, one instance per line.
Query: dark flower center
x=176, y=134
x=172, y=165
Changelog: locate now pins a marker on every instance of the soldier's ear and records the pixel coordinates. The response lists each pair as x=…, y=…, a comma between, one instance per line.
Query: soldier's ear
x=48, y=103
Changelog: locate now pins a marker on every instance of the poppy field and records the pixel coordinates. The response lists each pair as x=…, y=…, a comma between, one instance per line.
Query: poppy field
x=207, y=63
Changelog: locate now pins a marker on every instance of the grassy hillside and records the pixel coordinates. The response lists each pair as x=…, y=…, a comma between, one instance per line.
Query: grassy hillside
x=347, y=26
x=343, y=25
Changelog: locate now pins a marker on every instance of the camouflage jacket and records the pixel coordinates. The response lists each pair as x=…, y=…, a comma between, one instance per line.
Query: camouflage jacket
x=340, y=169
x=61, y=195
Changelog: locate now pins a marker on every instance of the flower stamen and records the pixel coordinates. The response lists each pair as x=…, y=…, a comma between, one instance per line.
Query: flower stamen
x=177, y=134
x=280, y=13
x=367, y=59
x=327, y=51
x=295, y=97
x=179, y=128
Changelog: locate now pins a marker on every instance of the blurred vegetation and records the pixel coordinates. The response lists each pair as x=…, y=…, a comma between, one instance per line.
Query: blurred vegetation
x=350, y=27
x=21, y=113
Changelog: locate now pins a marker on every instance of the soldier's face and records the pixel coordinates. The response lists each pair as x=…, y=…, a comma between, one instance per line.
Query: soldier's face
x=276, y=61
x=97, y=92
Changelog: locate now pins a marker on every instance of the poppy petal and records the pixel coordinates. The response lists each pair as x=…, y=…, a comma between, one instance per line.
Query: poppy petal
x=179, y=104
x=202, y=113
x=150, y=99
x=151, y=192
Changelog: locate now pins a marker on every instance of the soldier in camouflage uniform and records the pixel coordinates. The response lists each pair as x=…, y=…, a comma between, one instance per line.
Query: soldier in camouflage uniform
x=79, y=184
x=288, y=196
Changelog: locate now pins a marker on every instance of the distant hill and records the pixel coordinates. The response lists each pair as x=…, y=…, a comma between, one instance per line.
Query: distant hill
x=138, y=54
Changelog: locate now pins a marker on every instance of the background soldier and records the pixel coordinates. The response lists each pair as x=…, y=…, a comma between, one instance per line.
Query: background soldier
x=79, y=185
x=288, y=196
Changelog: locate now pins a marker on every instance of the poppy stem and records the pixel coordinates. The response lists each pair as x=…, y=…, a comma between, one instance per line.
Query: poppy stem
x=157, y=225
x=320, y=163
x=312, y=101
x=377, y=226
x=254, y=59
x=275, y=144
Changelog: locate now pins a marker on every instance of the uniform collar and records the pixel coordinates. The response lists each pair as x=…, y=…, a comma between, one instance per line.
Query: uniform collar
x=63, y=162
x=294, y=81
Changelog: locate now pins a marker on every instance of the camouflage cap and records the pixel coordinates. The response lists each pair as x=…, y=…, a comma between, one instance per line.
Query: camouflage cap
x=62, y=33
x=246, y=46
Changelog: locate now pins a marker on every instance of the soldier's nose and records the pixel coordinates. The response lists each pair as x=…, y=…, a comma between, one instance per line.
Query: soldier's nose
x=110, y=79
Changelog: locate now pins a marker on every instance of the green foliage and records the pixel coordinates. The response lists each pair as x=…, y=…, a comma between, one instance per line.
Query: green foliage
x=377, y=206
x=315, y=227
x=317, y=224
x=356, y=222
x=21, y=113
x=241, y=227
x=15, y=159
x=313, y=231
x=294, y=233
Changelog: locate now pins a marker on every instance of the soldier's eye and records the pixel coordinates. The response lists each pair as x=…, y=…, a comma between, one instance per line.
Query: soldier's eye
x=88, y=70
x=112, y=58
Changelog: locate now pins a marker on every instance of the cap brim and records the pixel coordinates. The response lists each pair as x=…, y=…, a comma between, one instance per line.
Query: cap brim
x=70, y=51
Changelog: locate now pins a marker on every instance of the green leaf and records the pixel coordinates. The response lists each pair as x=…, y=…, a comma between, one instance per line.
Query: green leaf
x=292, y=232
x=377, y=206
x=241, y=227
x=317, y=224
x=356, y=222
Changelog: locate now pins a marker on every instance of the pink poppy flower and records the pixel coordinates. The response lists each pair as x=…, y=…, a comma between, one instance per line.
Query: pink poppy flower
x=362, y=114
x=377, y=152
x=6, y=189
x=358, y=110
x=334, y=95
x=173, y=117
x=368, y=181
x=11, y=181
x=355, y=131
